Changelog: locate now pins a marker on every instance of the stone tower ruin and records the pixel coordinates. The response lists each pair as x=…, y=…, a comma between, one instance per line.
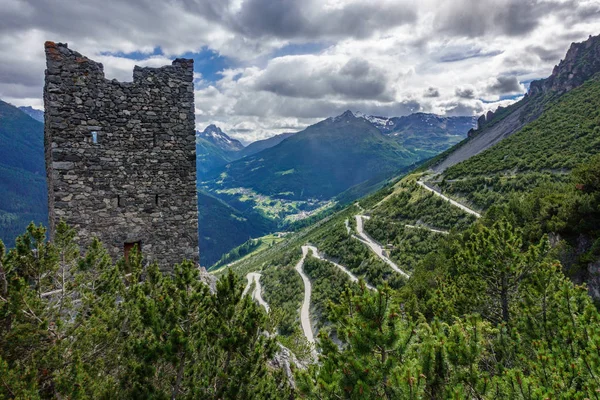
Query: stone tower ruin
x=121, y=156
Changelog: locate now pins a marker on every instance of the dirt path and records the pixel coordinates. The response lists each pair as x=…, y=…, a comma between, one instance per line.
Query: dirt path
x=376, y=247
x=257, y=292
x=353, y=277
x=305, y=310
x=453, y=202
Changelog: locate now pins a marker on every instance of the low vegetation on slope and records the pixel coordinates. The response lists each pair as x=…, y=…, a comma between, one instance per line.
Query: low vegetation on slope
x=489, y=314
x=564, y=136
x=329, y=284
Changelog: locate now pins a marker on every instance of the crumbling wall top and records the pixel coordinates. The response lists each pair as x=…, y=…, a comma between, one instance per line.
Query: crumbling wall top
x=62, y=60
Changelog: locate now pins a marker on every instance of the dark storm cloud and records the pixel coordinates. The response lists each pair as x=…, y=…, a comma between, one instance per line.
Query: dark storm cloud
x=507, y=17
x=546, y=54
x=309, y=19
x=461, y=109
x=584, y=12
x=301, y=77
x=431, y=92
x=465, y=93
x=505, y=85
x=144, y=21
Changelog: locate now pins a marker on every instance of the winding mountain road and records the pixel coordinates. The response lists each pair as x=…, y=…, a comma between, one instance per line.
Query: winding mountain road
x=376, y=247
x=345, y=270
x=257, y=292
x=305, y=310
x=428, y=228
x=453, y=202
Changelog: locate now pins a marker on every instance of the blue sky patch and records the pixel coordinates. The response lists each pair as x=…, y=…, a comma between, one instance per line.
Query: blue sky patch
x=206, y=62
x=209, y=63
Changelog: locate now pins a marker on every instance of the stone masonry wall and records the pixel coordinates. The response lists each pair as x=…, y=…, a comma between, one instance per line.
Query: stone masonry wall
x=137, y=183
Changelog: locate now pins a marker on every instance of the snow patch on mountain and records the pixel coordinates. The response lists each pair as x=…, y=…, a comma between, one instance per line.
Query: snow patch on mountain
x=215, y=135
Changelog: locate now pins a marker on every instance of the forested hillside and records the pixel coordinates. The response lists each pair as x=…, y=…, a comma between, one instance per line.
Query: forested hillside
x=222, y=228
x=565, y=136
x=22, y=173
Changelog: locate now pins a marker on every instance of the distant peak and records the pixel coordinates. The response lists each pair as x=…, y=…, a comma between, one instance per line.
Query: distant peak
x=345, y=116
x=214, y=134
x=212, y=128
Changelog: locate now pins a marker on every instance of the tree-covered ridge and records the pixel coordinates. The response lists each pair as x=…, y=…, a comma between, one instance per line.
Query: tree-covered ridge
x=490, y=314
x=222, y=227
x=238, y=252
x=565, y=136
x=549, y=348
x=343, y=247
x=80, y=326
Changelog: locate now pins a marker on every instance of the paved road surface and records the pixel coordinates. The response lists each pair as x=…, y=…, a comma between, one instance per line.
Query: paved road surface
x=257, y=292
x=428, y=228
x=305, y=310
x=453, y=202
x=376, y=247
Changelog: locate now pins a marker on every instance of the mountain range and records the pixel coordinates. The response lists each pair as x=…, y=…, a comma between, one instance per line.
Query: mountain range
x=307, y=169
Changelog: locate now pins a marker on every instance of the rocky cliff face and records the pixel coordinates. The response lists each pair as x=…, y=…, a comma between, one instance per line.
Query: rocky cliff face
x=581, y=63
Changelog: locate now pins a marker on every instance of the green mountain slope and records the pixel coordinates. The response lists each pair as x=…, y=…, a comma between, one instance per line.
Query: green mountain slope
x=564, y=137
x=22, y=173
x=505, y=283
x=428, y=134
x=261, y=145
x=221, y=228
x=319, y=162
x=209, y=156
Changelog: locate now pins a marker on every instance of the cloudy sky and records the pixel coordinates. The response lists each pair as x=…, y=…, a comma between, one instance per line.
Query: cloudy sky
x=270, y=66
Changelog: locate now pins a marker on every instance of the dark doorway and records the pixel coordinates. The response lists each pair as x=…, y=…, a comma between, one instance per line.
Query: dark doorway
x=128, y=247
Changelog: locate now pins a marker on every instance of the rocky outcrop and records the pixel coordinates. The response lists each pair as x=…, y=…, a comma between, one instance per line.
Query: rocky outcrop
x=580, y=64
x=216, y=136
x=208, y=279
x=593, y=280
x=286, y=360
x=483, y=139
